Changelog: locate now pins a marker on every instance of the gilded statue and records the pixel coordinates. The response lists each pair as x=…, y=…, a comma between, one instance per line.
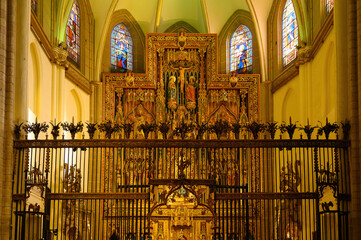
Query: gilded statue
x=182, y=165
x=119, y=113
x=233, y=80
x=181, y=39
x=139, y=120
x=191, y=93
x=172, y=93
x=181, y=77
x=129, y=78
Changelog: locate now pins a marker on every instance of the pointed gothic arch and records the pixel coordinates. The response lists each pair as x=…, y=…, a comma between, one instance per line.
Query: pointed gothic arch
x=73, y=33
x=238, y=18
x=86, y=37
x=181, y=25
x=275, y=46
x=124, y=17
x=121, y=49
x=289, y=33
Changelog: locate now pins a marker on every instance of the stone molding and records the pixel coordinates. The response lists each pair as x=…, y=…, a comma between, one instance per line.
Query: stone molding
x=76, y=77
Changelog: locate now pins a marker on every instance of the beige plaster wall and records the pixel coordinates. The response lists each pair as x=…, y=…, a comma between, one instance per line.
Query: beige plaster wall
x=313, y=92
x=42, y=90
x=39, y=82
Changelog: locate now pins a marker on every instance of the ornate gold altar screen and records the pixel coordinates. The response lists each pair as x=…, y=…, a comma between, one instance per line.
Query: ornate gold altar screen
x=173, y=186
x=181, y=85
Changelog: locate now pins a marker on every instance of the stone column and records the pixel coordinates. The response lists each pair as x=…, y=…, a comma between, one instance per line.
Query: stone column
x=99, y=103
x=354, y=80
x=266, y=101
x=22, y=58
x=340, y=21
x=61, y=63
x=96, y=103
x=7, y=78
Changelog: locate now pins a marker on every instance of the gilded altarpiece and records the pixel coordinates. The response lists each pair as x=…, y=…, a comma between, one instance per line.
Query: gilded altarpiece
x=181, y=85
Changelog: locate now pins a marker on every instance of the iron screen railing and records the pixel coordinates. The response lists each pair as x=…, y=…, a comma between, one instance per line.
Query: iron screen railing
x=237, y=189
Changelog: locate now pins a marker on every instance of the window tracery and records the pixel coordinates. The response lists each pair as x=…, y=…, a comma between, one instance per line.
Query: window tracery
x=121, y=49
x=241, y=50
x=73, y=33
x=289, y=33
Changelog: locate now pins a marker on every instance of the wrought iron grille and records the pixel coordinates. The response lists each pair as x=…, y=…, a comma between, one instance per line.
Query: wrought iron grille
x=163, y=189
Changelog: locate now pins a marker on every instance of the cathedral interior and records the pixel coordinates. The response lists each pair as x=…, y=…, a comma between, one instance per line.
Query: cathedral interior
x=180, y=119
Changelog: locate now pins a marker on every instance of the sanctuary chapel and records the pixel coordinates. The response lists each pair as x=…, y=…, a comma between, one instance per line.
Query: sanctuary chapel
x=180, y=119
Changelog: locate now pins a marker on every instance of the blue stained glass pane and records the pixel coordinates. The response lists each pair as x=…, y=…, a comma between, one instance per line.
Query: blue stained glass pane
x=121, y=49
x=329, y=5
x=241, y=50
x=73, y=33
x=289, y=33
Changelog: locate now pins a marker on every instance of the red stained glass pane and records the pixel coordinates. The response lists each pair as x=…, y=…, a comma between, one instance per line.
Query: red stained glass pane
x=73, y=33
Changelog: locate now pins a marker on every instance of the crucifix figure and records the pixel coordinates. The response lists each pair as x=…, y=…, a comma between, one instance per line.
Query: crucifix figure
x=181, y=76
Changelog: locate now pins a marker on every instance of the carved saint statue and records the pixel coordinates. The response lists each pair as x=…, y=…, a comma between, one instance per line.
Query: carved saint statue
x=139, y=120
x=181, y=39
x=172, y=92
x=129, y=78
x=233, y=80
x=181, y=77
x=119, y=112
x=191, y=93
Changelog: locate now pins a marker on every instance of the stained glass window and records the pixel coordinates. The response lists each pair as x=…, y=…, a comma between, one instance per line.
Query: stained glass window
x=241, y=50
x=289, y=33
x=73, y=33
x=121, y=49
x=34, y=5
x=329, y=5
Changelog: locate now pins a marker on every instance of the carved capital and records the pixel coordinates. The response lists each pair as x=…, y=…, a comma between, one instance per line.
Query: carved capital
x=160, y=52
x=95, y=83
x=304, y=55
x=119, y=91
x=60, y=56
x=202, y=51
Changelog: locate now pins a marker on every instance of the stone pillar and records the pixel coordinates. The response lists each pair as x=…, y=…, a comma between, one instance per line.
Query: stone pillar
x=266, y=101
x=340, y=21
x=60, y=63
x=22, y=58
x=99, y=102
x=305, y=73
x=7, y=78
x=54, y=77
x=354, y=80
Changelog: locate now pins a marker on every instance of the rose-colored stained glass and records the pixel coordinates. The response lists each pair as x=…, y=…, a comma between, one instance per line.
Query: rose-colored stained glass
x=73, y=33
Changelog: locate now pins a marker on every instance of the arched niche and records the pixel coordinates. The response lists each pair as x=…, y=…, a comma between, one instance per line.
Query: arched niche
x=181, y=25
x=125, y=17
x=34, y=80
x=238, y=18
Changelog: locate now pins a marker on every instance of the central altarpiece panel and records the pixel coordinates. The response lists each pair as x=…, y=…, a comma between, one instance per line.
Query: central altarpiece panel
x=181, y=87
x=181, y=84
